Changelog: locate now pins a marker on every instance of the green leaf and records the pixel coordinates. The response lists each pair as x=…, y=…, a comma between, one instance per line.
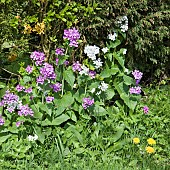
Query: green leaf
x=99, y=111
x=127, y=80
x=69, y=77
x=2, y=85
x=66, y=101
x=106, y=72
x=110, y=93
x=59, y=120
x=114, y=44
x=120, y=59
x=4, y=137
x=26, y=79
x=118, y=134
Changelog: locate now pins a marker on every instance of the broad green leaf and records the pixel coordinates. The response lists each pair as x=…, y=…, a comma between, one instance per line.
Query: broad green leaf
x=60, y=119
x=2, y=91
x=72, y=115
x=69, y=77
x=99, y=111
x=26, y=79
x=128, y=80
x=40, y=134
x=4, y=137
x=118, y=134
x=110, y=93
x=106, y=72
x=120, y=59
x=2, y=85
x=114, y=44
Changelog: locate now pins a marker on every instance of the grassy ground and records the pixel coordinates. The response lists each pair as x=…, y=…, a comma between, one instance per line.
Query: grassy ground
x=158, y=100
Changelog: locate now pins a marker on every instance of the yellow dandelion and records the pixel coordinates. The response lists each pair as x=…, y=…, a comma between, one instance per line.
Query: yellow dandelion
x=39, y=28
x=136, y=140
x=27, y=29
x=150, y=149
x=151, y=141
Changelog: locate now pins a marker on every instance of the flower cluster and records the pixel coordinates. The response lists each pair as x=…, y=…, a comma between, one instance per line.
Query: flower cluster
x=105, y=50
x=25, y=110
x=49, y=99
x=87, y=102
x=19, y=88
x=112, y=36
x=59, y=51
x=56, y=87
x=145, y=109
x=103, y=87
x=123, y=23
x=135, y=90
x=29, y=69
x=38, y=57
x=10, y=100
x=91, y=52
x=72, y=35
x=76, y=66
x=48, y=71
x=137, y=75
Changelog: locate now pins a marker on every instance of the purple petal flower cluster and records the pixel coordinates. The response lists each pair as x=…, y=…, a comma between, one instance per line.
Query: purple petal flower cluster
x=40, y=80
x=72, y=35
x=137, y=75
x=19, y=123
x=25, y=110
x=66, y=63
x=29, y=90
x=56, y=87
x=87, y=102
x=49, y=99
x=76, y=66
x=29, y=69
x=59, y=51
x=135, y=90
x=2, y=121
x=20, y=88
x=38, y=57
x=10, y=100
x=48, y=71
x=92, y=74
x=146, y=109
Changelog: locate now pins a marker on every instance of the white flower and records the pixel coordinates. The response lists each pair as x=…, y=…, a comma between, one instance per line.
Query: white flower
x=32, y=138
x=122, y=22
x=75, y=86
x=112, y=36
x=85, y=70
x=124, y=51
x=35, y=137
x=93, y=90
x=97, y=63
x=103, y=86
x=105, y=50
x=98, y=93
x=124, y=28
x=91, y=51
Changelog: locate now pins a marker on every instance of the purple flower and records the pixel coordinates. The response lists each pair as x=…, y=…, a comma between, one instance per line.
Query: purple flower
x=49, y=99
x=29, y=69
x=19, y=123
x=25, y=110
x=72, y=35
x=146, y=109
x=135, y=90
x=59, y=51
x=40, y=80
x=137, y=74
x=19, y=88
x=29, y=90
x=92, y=74
x=66, y=63
x=87, y=102
x=48, y=71
x=56, y=60
x=56, y=87
x=38, y=57
x=76, y=66
x=2, y=121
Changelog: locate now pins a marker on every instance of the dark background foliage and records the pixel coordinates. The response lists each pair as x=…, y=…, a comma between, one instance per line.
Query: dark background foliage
x=147, y=41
